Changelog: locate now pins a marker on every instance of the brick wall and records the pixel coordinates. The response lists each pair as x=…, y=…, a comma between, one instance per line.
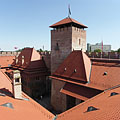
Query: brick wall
x=61, y=46
x=58, y=100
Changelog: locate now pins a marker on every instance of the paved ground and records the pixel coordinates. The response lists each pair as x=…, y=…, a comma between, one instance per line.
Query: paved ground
x=45, y=102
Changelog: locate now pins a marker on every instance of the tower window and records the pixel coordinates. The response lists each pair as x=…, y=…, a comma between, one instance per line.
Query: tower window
x=79, y=41
x=57, y=46
x=16, y=79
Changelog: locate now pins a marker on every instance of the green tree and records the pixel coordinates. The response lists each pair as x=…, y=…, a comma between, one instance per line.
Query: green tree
x=118, y=50
x=97, y=50
x=40, y=50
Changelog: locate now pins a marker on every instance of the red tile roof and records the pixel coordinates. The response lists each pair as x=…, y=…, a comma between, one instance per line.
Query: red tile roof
x=5, y=61
x=32, y=59
x=102, y=81
x=76, y=66
x=95, y=74
x=22, y=109
x=80, y=92
x=108, y=108
x=67, y=21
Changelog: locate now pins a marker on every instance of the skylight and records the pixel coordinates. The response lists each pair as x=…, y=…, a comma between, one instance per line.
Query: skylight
x=113, y=93
x=9, y=105
x=91, y=108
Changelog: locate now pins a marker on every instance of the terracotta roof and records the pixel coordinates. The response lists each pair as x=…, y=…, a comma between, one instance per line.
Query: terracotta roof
x=67, y=21
x=80, y=92
x=5, y=61
x=76, y=66
x=102, y=81
x=108, y=108
x=22, y=109
x=29, y=54
x=95, y=74
x=32, y=59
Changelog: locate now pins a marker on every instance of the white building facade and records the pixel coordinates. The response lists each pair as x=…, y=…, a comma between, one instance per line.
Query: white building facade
x=92, y=48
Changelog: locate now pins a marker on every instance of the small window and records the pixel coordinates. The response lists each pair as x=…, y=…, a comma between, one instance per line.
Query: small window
x=16, y=79
x=57, y=46
x=79, y=41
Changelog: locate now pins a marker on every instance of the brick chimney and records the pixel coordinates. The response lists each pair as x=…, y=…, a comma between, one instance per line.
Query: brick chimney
x=17, y=90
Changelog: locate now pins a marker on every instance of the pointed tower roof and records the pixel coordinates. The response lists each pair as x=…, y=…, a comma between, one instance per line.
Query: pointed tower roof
x=75, y=67
x=68, y=21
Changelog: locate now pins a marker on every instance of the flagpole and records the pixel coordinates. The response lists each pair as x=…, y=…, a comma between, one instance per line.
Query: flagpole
x=69, y=11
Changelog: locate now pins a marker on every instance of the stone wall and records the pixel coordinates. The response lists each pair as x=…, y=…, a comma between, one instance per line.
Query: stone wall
x=58, y=100
x=47, y=57
x=78, y=39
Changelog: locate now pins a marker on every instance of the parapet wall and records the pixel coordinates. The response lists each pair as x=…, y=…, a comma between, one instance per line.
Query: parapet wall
x=9, y=53
x=109, y=55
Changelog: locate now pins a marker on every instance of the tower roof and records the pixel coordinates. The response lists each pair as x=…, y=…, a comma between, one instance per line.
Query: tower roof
x=66, y=21
x=76, y=66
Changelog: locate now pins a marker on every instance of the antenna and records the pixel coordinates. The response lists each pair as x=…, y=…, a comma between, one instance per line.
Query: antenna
x=69, y=11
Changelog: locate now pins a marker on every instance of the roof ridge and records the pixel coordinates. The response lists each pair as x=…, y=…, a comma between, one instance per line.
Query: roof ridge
x=84, y=64
x=71, y=19
x=31, y=54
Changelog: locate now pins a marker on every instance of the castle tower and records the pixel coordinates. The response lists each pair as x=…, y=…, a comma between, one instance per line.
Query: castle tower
x=17, y=90
x=67, y=35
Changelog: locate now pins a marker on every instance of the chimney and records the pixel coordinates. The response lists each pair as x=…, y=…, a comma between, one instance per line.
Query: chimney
x=16, y=59
x=17, y=90
x=22, y=60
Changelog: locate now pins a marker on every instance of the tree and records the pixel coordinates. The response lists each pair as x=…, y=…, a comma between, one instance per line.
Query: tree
x=118, y=50
x=40, y=50
x=97, y=50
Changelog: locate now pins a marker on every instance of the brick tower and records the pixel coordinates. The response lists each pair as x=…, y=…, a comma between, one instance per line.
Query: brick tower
x=67, y=35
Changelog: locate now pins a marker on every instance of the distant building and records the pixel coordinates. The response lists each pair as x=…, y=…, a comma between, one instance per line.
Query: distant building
x=91, y=48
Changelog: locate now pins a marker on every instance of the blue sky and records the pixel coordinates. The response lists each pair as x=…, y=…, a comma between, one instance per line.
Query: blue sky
x=25, y=23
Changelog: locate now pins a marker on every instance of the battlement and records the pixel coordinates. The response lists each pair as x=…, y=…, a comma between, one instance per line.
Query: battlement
x=45, y=53
x=109, y=55
x=9, y=53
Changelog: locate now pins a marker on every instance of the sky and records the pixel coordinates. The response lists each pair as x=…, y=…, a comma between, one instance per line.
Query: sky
x=25, y=23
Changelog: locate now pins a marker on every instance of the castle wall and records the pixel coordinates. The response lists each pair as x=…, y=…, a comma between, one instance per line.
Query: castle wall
x=9, y=53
